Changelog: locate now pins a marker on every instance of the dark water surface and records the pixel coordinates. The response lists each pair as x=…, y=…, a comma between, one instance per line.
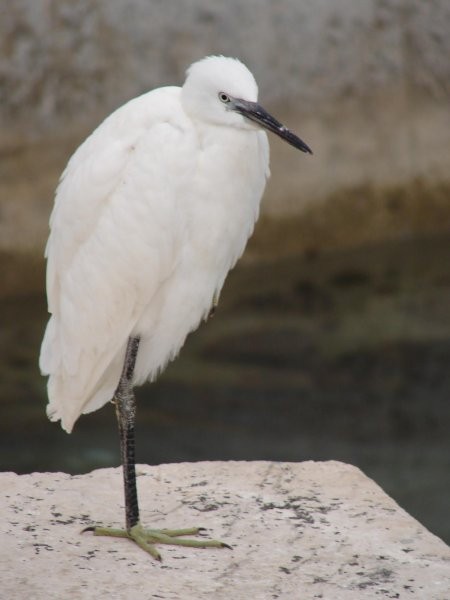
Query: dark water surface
x=342, y=357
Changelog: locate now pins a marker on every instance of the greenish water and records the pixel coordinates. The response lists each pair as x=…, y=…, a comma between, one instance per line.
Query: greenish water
x=341, y=356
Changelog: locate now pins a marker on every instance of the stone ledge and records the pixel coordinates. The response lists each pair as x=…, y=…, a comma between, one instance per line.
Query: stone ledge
x=298, y=531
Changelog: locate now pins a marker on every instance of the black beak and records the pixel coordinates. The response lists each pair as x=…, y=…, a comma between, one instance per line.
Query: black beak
x=256, y=113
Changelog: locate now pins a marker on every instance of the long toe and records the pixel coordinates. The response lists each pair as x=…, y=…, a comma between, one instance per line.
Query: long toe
x=148, y=539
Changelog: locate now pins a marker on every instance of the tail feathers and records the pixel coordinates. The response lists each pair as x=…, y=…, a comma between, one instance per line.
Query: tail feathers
x=61, y=406
x=65, y=406
x=78, y=382
x=67, y=401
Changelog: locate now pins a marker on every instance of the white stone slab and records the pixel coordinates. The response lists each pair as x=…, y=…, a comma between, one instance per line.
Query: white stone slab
x=298, y=531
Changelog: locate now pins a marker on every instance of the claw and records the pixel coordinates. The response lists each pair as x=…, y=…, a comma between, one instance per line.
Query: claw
x=148, y=538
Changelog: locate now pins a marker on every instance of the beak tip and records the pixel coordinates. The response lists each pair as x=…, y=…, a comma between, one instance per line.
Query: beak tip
x=303, y=147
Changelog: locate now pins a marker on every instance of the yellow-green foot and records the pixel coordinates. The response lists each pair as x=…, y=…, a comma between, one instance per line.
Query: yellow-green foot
x=148, y=538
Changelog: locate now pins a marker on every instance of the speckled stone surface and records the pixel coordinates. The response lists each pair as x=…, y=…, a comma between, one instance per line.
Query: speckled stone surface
x=298, y=531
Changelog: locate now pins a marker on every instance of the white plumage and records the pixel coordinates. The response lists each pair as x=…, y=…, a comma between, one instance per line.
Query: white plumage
x=151, y=213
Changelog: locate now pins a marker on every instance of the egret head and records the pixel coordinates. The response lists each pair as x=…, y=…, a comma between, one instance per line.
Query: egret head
x=222, y=91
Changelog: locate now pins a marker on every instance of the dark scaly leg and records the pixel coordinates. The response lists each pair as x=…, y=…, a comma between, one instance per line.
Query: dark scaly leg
x=126, y=417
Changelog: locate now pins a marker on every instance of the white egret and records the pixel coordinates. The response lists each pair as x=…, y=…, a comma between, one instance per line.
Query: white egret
x=151, y=213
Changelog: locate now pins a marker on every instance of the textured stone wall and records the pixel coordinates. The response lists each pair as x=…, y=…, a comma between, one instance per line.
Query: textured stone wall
x=365, y=82
x=61, y=60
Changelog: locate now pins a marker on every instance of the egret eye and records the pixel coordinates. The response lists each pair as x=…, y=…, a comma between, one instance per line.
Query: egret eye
x=224, y=97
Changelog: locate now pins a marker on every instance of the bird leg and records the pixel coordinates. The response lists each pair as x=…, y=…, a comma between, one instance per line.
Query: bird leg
x=126, y=416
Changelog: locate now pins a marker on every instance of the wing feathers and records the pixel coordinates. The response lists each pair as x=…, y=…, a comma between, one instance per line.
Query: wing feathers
x=114, y=238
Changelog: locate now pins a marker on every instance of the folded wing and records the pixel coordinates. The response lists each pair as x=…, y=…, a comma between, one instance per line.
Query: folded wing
x=116, y=234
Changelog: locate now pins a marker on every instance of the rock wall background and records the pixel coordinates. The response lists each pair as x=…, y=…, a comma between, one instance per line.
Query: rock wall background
x=365, y=82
